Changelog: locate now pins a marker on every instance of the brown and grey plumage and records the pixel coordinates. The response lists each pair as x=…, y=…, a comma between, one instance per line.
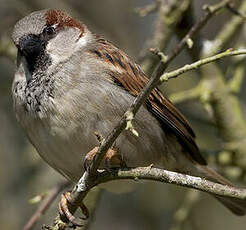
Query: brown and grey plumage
x=71, y=83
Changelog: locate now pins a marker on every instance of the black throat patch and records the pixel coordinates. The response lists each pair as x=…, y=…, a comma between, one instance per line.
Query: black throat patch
x=33, y=47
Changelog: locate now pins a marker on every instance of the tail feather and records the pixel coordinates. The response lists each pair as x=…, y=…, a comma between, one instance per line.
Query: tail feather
x=236, y=205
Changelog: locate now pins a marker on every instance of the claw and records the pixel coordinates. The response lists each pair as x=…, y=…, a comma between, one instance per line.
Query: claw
x=65, y=212
x=89, y=158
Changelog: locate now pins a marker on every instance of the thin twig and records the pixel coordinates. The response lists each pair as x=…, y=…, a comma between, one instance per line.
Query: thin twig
x=229, y=31
x=198, y=91
x=235, y=11
x=195, y=65
x=209, y=12
x=45, y=204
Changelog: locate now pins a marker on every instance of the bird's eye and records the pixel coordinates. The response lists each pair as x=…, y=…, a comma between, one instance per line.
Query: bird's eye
x=49, y=30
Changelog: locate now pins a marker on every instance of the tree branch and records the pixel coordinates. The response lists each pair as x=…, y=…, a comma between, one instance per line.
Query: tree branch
x=165, y=176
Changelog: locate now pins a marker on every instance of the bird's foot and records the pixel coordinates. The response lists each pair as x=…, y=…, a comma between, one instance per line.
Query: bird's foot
x=66, y=213
x=112, y=159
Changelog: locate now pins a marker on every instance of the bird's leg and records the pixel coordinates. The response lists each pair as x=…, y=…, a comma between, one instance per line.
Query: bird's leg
x=112, y=159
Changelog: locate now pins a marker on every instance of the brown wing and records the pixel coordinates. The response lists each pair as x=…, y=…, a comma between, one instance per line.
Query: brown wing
x=133, y=80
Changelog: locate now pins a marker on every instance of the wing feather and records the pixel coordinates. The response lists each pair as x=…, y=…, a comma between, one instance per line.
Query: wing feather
x=133, y=80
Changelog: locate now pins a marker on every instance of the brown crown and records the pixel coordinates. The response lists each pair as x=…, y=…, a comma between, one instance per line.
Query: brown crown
x=63, y=20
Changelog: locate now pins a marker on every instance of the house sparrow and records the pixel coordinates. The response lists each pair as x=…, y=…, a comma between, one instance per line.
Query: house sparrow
x=71, y=83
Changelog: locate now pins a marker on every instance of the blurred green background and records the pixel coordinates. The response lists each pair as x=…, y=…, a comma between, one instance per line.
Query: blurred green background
x=151, y=205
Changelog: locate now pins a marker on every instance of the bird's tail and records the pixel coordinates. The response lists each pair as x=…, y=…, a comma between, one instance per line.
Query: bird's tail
x=237, y=206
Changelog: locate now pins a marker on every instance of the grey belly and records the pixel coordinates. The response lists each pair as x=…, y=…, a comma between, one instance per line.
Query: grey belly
x=67, y=133
x=63, y=145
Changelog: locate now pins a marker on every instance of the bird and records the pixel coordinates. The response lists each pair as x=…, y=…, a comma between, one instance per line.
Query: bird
x=70, y=83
